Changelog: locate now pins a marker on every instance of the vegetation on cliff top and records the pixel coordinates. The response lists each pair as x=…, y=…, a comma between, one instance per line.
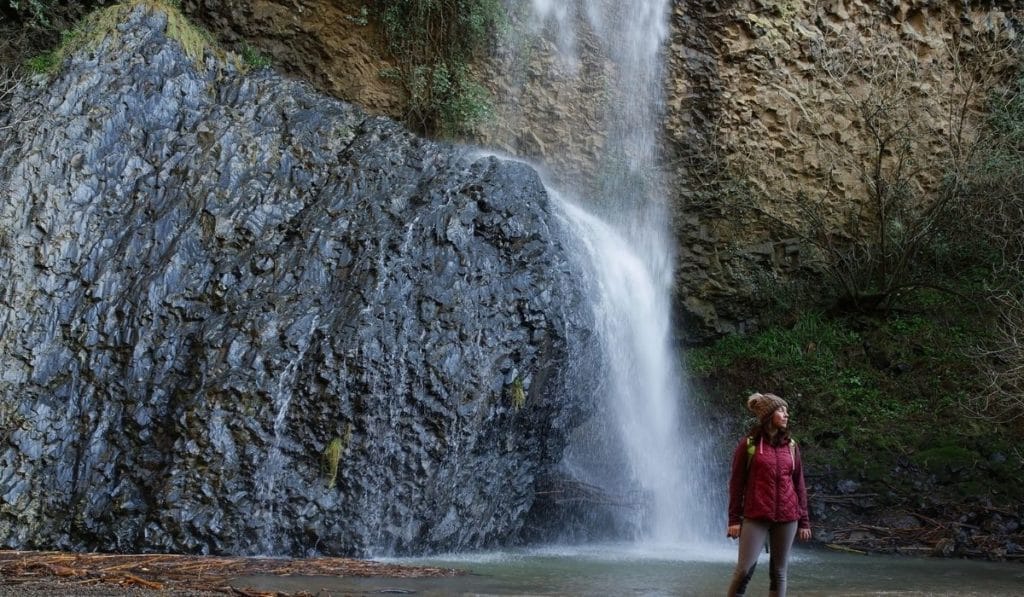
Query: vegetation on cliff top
x=90, y=31
x=433, y=44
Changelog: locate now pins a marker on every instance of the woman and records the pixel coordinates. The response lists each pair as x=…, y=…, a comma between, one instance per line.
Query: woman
x=767, y=495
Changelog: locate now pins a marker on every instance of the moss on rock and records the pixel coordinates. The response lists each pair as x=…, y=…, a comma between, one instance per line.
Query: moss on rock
x=90, y=32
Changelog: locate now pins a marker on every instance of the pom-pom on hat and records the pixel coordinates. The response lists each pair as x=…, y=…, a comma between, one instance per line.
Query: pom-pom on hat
x=763, y=405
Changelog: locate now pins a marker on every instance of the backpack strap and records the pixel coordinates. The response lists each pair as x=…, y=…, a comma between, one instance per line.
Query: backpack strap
x=752, y=449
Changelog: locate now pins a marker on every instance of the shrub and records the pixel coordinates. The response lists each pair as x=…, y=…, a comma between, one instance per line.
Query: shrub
x=47, y=18
x=992, y=218
x=10, y=78
x=29, y=28
x=433, y=43
x=36, y=12
x=253, y=58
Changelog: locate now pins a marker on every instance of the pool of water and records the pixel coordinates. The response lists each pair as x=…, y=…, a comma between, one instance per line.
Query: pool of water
x=630, y=570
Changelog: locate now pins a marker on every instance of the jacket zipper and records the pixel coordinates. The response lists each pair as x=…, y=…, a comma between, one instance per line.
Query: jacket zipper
x=778, y=479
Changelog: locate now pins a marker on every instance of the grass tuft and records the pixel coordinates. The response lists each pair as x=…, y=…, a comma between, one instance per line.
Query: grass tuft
x=332, y=460
x=517, y=394
x=90, y=32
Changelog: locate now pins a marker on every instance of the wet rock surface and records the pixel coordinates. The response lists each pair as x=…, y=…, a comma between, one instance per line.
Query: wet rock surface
x=242, y=317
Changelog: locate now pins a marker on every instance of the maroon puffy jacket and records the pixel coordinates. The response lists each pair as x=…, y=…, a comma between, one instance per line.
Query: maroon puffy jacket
x=772, y=489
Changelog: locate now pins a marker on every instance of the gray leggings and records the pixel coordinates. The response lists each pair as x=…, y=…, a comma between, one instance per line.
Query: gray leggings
x=752, y=538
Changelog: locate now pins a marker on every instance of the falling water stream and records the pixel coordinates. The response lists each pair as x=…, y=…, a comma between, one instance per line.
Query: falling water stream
x=634, y=449
x=266, y=478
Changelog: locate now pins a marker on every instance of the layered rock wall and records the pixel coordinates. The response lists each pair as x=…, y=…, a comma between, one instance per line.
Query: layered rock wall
x=330, y=43
x=772, y=128
x=551, y=105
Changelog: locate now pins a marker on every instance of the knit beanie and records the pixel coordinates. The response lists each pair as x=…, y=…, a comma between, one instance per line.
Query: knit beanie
x=763, y=405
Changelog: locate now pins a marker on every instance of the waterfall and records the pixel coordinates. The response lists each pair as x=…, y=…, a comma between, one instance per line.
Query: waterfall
x=635, y=448
x=268, y=475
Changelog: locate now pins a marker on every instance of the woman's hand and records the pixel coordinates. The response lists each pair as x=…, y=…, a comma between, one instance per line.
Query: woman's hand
x=733, y=532
x=804, y=534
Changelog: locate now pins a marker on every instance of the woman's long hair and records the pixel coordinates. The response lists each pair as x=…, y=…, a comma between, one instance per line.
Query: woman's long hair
x=761, y=430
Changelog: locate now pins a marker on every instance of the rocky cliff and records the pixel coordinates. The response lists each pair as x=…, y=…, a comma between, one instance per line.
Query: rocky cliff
x=776, y=116
x=762, y=122
x=242, y=317
x=329, y=43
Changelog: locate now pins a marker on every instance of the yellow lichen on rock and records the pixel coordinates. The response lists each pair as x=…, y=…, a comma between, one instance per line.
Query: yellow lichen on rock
x=331, y=457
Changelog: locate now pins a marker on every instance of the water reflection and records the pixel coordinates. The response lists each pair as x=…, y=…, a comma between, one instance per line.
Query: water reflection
x=670, y=571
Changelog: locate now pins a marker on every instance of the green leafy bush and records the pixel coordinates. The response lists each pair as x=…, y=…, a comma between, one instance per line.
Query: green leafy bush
x=253, y=58
x=38, y=12
x=47, y=17
x=433, y=42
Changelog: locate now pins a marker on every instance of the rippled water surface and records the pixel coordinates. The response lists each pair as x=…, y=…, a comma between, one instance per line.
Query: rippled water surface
x=628, y=570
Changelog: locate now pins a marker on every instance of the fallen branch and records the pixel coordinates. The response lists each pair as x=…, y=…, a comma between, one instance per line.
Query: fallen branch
x=943, y=524
x=134, y=581
x=837, y=547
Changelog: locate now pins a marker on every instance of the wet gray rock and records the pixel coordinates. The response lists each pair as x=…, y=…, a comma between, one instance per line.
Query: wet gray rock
x=848, y=486
x=242, y=317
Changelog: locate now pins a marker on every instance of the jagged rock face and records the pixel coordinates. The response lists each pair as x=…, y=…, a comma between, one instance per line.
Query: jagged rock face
x=242, y=317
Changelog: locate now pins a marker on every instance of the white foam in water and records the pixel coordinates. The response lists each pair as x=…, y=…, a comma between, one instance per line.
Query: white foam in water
x=596, y=552
x=632, y=313
x=635, y=552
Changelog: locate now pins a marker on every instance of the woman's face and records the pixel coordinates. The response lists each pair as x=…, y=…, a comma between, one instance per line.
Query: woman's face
x=780, y=418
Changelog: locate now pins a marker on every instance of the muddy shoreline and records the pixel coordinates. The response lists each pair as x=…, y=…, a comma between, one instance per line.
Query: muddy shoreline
x=56, y=588
x=39, y=573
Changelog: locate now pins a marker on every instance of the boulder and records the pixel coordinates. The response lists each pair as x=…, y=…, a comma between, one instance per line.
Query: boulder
x=242, y=317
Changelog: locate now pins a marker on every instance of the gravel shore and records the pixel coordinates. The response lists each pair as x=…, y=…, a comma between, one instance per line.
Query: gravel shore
x=56, y=588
